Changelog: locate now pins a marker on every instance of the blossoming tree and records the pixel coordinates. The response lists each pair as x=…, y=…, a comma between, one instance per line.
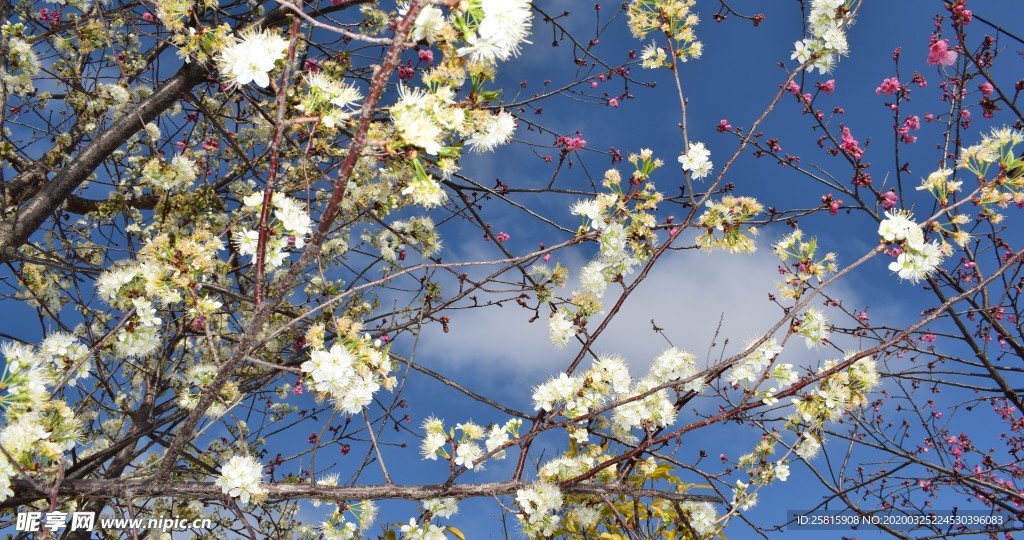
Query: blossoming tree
x=222, y=233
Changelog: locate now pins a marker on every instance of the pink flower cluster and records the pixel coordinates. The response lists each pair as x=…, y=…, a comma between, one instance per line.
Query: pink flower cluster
x=571, y=144
x=939, y=54
x=888, y=87
x=912, y=123
x=888, y=200
x=961, y=15
x=850, y=145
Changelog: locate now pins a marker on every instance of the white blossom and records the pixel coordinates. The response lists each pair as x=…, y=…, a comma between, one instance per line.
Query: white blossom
x=697, y=160
x=443, y=508
x=495, y=131
x=252, y=58
x=240, y=478
x=560, y=328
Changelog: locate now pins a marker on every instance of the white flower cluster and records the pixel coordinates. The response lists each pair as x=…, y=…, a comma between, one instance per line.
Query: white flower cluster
x=113, y=284
x=615, y=257
x=560, y=327
x=422, y=118
x=240, y=477
x=676, y=365
x=702, y=518
x=494, y=131
x=697, y=160
x=425, y=531
x=653, y=56
x=724, y=222
x=338, y=528
x=809, y=446
x=23, y=62
x=608, y=380
x=995, y=147
x=752, y=366
x=442, y=508
x=64, y=357
x=918, y=259
x=799, y=257
x=467, y=450
x=624, y=238
x=539, y=504
x=762, y=469
x=605, y=380
x=813, y=328
x=349, y=373
x=179, y=173
x=165, y=269
x=418, y=232
x=289, y=228
x=566, y=467
x=252, y=58
x=38, y=430
x=652, y=412
x=674, y=19
x=743, y=497
x=939, y=184
x=496, y=29
x=429, y=24
x=827, y=22
x=331, y=99
x=585, y=516
x=836, y=394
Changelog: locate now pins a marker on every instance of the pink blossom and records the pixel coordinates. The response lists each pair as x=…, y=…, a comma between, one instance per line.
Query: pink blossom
x=850, y=145
x=828, y=86
x=888, y=87
x=940, y=55
x=406, y=72
x=723, y=126
x=888, y=200
x=986, y=88
x=613, y=102
x=928, y=338
x=793, y=88
x=905, y=136
x=147, y=16
x=571, y=145
x=426, y=56
x=502, y=236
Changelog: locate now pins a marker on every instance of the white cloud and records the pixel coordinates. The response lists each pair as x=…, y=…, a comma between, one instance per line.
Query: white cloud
x=686, y=294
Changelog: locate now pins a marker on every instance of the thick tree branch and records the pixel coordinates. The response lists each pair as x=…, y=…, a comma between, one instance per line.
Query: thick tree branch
x=130, y=489
x=16, y=230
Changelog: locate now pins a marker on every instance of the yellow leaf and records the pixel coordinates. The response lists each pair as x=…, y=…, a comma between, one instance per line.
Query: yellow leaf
x=456, y=532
